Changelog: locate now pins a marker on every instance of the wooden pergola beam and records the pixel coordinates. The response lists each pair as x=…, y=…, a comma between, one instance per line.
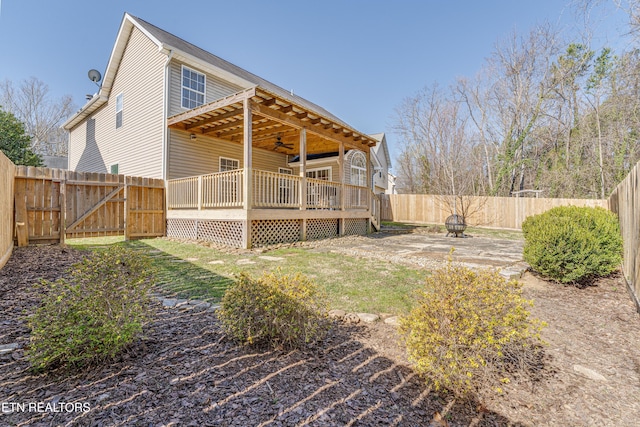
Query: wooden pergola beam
x=225, y=116
x=266, y=120
x=258, y=127
x=215, y=105
x=300, y=124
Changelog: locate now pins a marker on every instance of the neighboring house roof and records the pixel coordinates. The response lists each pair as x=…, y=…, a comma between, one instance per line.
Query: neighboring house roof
x=187, y=52
x=318, y=156
x=382, y=144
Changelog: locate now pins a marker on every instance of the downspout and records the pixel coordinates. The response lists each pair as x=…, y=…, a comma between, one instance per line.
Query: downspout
x=165, y=114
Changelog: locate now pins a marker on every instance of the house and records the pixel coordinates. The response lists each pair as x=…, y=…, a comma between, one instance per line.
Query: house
x=382, y=164
x=391, y=184
x=246, y=162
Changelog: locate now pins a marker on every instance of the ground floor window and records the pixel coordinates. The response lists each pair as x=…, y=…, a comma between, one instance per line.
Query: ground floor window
x=320, y=173
x=227, y=164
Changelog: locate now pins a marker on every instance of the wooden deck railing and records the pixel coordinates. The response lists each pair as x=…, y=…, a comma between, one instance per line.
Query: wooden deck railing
x=183, y=193
x=269, y=190
x=356, y=197
x=323, y=194
x=275, y=190
x=222, y=189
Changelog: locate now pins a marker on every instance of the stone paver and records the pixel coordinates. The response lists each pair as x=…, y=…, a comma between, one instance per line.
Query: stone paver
x=393, y=320
x=169, y=302
x=271, y=258
x=431, y=250
x=589, y=373
x=8, y=348
x=368, y=317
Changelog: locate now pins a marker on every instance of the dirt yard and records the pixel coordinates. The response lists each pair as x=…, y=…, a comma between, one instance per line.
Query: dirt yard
x=185, y=372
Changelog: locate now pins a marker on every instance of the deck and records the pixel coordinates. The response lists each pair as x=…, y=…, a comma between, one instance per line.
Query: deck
x=279, y=208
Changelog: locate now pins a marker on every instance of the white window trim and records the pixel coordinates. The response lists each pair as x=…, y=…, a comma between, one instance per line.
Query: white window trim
x=121, y=110
x=362, y=170
x=329, y=168
x=182, y=68
x=287, y=171
x=220, y=159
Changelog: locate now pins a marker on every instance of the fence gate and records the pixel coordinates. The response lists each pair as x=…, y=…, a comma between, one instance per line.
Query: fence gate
x=54, y=204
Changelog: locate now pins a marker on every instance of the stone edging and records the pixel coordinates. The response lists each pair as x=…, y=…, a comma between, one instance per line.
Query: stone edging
x=339, y=315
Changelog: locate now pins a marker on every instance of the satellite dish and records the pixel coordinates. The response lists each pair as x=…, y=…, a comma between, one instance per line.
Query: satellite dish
x=94, y=76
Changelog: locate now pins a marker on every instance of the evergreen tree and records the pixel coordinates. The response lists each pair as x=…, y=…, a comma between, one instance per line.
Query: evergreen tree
x=14, y=142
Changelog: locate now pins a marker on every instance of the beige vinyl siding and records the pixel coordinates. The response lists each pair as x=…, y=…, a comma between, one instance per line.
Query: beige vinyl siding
x=201, y=156
x=381, y=181
x=335, y=169
x=84, y=154
x=136, y=146
x=216, y=87
x=77, y=143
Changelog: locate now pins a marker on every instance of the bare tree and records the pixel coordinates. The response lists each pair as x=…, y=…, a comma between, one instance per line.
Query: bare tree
x=439, y=153
x=518, y=96
x=542, y=114
x=30, y=103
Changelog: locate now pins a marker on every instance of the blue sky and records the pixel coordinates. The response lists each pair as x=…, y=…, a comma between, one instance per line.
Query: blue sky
x=357, y=58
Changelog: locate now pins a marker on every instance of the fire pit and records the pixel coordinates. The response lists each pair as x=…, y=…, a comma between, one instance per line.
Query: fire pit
x=455, y=225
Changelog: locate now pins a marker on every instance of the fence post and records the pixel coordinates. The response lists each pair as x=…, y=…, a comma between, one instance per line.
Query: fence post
x=63, y=209
x=22, y=225
x=127, y=232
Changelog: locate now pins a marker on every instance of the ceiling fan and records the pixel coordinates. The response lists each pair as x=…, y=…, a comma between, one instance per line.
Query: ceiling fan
x=279, y=144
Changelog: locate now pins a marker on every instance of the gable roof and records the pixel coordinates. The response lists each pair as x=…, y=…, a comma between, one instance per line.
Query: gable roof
x=382, y=143
x=189, y=53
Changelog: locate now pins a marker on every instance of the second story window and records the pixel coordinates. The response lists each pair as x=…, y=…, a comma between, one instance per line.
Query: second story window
x=119, y=108
x=193, y=88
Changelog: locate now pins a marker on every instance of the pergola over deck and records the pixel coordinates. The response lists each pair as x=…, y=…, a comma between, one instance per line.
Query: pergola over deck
x=259, y=118
x=269, y=116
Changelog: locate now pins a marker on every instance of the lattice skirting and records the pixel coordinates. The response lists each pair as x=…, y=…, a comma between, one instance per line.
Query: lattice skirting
x=263, y=232
x=182, y=228
x=223, y=232
x=318, y=229
x=272, y=231
x=356, y=226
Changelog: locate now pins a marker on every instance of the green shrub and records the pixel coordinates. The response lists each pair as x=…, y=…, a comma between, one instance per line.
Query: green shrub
x=573, y=244
x=470, y=332
x=274, y=309
x=94, y=314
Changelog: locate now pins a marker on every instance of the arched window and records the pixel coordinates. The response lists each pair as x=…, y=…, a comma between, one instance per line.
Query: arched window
x=359, y=169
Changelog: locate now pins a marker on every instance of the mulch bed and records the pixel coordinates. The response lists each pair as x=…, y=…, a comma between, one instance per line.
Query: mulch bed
x=186, y=372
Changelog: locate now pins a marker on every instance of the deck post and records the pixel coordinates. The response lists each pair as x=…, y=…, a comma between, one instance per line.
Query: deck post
x=200, y=192
x=341, y=168
x=342, y=187
x=303, y=169
x=246, y=173
x=303, y=183
x=370, y=188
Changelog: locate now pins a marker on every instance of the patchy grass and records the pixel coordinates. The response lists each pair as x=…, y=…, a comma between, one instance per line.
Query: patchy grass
x=190, y=270
x=497, y=233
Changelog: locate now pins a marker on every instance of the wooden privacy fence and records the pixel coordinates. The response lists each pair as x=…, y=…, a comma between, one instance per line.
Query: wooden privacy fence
x=625, y=202
x=498, y=212
x=7, y=171
x=54, y=204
